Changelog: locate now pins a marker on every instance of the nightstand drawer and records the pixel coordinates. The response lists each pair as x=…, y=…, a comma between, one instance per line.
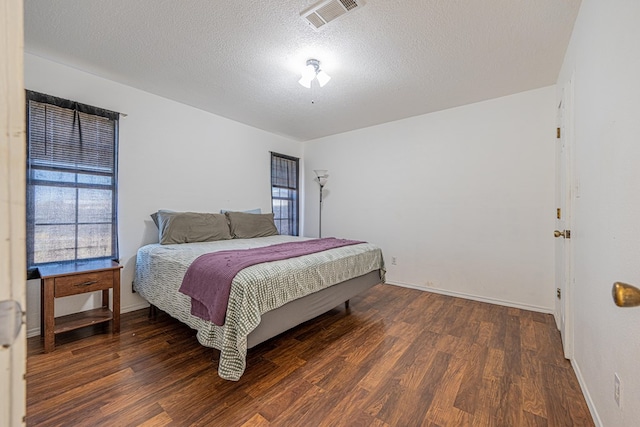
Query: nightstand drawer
x=81, y=283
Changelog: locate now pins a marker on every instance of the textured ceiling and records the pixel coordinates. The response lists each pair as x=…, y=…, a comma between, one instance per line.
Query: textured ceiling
x=388, y=59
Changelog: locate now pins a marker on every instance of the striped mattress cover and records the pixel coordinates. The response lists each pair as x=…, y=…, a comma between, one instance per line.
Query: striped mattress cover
x=254, y=291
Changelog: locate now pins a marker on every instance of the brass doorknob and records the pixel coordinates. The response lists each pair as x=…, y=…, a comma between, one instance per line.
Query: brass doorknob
x=558, y=233
x=625, y=295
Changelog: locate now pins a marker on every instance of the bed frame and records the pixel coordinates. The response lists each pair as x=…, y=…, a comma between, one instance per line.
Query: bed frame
x=298, y=311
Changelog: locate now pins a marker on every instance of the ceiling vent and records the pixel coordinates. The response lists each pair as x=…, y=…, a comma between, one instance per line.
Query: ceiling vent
x=326, y=11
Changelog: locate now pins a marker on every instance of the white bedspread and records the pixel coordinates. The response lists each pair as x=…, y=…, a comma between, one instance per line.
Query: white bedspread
x=254, y=291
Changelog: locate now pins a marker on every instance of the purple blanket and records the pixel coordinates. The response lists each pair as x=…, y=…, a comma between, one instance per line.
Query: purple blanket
x=208, y=278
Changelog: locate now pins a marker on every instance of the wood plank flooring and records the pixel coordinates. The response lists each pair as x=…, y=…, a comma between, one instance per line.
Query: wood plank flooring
x=399, y=357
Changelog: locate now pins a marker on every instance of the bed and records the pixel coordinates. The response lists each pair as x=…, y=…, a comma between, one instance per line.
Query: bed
x=265, y=299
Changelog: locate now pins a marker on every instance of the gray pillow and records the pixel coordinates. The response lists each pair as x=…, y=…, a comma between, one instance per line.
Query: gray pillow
x=190, y=227
x=154, y=216
x=247, y=226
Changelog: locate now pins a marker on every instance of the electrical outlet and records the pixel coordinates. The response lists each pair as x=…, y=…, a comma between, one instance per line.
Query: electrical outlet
x=617, y=390
x=394, y=261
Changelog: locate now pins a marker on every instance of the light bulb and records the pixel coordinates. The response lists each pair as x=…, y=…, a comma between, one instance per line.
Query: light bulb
x=305, y=82
x=308, y=74
x=323, y=78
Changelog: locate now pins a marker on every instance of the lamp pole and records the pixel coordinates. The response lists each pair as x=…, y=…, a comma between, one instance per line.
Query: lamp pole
x=321, y=179
x=320, y=213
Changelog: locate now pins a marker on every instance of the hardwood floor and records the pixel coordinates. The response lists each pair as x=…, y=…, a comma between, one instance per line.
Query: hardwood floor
x=400, y=357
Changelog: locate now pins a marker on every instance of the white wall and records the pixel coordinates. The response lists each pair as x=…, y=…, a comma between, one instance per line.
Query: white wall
x=604, y=54
x=462, y=198
x=172, y=156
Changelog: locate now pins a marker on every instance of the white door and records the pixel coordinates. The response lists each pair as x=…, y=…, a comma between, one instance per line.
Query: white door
x=12, y=213
x=563, y=252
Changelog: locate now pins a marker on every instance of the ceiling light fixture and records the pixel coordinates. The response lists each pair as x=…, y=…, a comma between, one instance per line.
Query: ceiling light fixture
x=312, y=71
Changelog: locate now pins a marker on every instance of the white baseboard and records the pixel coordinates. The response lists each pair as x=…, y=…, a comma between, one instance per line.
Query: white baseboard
x=587, y=396
x=134, y=307
x=545, y=310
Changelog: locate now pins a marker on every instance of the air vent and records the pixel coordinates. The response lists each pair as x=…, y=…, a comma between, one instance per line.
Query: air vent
x=326, y=11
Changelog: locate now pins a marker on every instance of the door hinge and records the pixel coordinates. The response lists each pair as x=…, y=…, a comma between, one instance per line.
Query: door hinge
x=559, y=293
x=559, y=213
x=558, y=133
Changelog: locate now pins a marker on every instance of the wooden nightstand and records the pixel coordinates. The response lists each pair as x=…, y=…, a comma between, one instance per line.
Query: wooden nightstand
x=62, y=280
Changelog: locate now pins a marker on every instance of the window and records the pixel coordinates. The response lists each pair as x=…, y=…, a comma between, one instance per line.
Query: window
x=284, y=193
x=71, y=181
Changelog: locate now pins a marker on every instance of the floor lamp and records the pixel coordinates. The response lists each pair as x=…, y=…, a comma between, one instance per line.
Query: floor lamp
x=321, y=178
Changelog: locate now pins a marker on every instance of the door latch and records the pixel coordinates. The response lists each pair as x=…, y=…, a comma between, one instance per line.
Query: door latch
x=11, y=316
